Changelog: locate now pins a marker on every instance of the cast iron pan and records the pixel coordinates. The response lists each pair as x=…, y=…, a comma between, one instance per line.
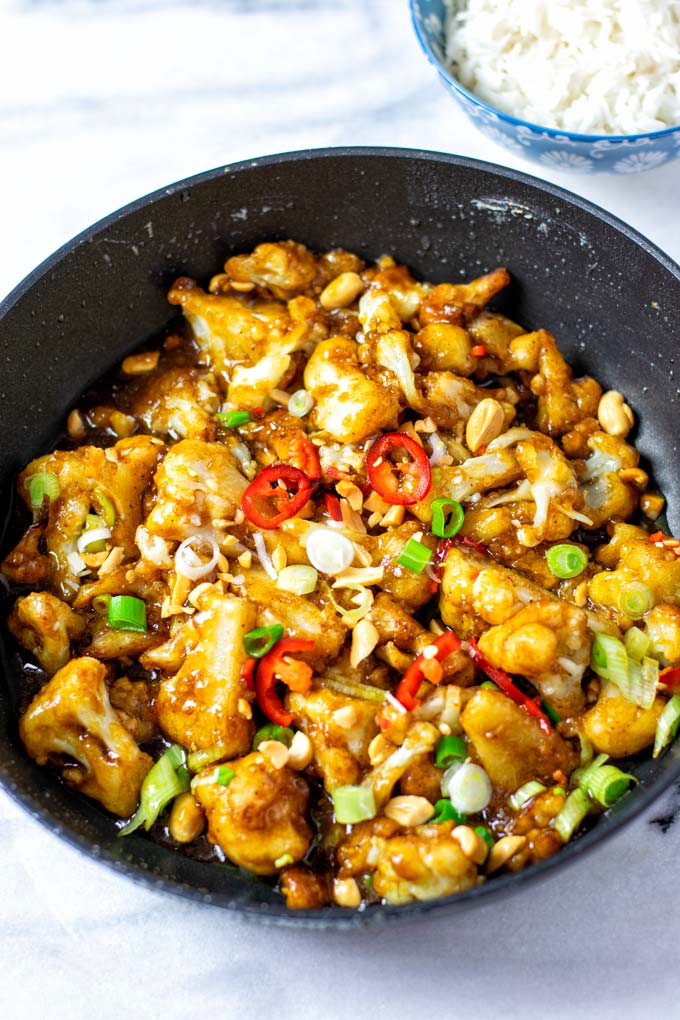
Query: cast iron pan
x=611, y=298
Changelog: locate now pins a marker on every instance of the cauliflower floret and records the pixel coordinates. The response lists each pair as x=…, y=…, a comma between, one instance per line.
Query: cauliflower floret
x=419, y=740
x=340, y=743
x=450, y=400
x=631, y=557
x=351, y=403
x=260, y=816
x=442, y=346
x=618, y=727
x=663, y=630
x=496, y=332
x=458, y=303
x=606, y=496
x=251, y=385
x=475, y=591
x=206, y=703
x=510, y=744
x=284, y=267
x=133, y=701
x=554, y=490
x=496, y=528
x=548, y=642
x=72, y=718
x=404, y=292
x=562, y=400
x=89, y=478
x=407, y=587
x=45, y=626
x=179, y=402
x=26, y=563
x=196, y=483
x=493, y=470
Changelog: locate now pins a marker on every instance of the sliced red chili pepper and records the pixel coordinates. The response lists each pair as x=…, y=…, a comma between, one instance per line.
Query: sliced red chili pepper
x=501, y=678
x=399, y=482
x=472, y=543
x=248, y=672
x=303, y=454
x=670, y=676
x=336, y=474
x=332, y=506
x=657, y=536
x=276, y=494
x=274, y=667
x=422, y=669
x=478, y=351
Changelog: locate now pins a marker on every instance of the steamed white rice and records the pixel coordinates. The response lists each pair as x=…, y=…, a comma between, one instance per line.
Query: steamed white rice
x=590, y=66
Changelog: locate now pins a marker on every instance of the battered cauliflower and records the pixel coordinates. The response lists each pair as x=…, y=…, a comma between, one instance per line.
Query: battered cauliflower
x=45, y=626
x=340, y=729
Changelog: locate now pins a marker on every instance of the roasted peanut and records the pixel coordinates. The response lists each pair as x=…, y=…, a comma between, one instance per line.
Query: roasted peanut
x=75, y=425
x=138, y=364
x=277, y=752
x=186, y=819
x=409, y=810
x=346, y=892
x=471, y=843
x=636, y=477
x=341, y=291
x=300, y=751
x=651, y=505
x=503, y=850
x=379, y=749
x=484, y=424
x=614, y=414
x=365, y=637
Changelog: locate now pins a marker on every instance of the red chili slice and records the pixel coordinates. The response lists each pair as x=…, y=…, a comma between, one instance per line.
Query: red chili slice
x=248, y=672
x=332, y=506
x=501, y=678
x=670, y=676
x=304, y=455
x=399, y=482
x=276, y=494
x=422, y=669
x=275, y=668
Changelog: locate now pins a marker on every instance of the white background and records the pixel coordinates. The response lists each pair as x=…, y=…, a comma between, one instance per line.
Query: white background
x=103, y=101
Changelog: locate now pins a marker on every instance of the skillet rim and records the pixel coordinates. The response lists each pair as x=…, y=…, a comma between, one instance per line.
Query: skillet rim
x=337, y=918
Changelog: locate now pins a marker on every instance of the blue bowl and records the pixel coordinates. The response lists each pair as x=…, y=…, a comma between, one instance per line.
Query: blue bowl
x=561, y=150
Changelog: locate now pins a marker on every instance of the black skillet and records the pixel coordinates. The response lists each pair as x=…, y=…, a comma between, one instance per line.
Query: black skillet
x=611, y=298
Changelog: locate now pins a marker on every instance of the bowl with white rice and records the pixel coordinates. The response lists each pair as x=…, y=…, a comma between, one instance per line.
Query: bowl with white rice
x=590, y=86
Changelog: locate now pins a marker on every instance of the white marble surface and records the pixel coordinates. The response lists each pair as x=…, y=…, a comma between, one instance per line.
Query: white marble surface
x=100, y=102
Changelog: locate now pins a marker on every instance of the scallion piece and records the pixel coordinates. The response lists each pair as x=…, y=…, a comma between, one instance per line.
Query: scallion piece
x=415, y=556
x=283, y=860
x=482, y=831
x=635, y=599
x=126, y=612
x=447, y=517
x=550, y=712
x=609, y=659
x=222, y=775
x=470, y=789
x=42, y=484
x=444, y=811
x=107, y=509
x=353, y=804
x=573, y=811
x=163, y=782
x=449, y=749
x=95, y=535
x=604, y=784
x=298, y=579
x=667, y=726
x=636, y=643
x=489, y=685
x=197, y=760
x=272, y=731
x=261, y=640
x=520, y=797
x=566, y=560
x=300, y=403
x=233, y=419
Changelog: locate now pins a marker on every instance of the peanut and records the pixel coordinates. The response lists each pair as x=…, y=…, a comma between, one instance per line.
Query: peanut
x=409, y=810
x=75, y=425
x=651, y=505
x=484, y=424
x=138, y=364
x=276, y=751
x=614, y=414
x=300, y=751
x=379, y=749
x=341, y=291
x=365, y=637
x=186, y=819
x=503, y=850
x=346, y=892
x=471, y=843
x=636, y=477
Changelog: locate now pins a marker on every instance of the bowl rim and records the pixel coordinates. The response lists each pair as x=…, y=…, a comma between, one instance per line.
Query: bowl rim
x=417, y=19
x=334, y=917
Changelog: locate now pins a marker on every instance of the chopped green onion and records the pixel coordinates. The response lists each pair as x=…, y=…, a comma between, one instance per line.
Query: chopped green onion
x=470, y=789
x=554, y=716
x=261, y=640
x=163, y=782
x=95, y=535
x=300, y=403
x=636, y=643
x=328, y=551
x=447, y=517
x=446, y=812
x=353, y=804
x=197, y=760
x=363, y=600
x=520, y=797
x=298, y=579
x=108, y=510
x=353, y=688
x=635, y=599
x=586, y=750
x=605, y=784
x=415, y=556
x=566, y=561
x=448, y=776
x=573, y=811
x=559, y=791
x=127, y=613
x=283, y=860
x=100, y=603
x=667, y=726
x=42, y=484
x=233, y=419
x=222, y=775
x=482, y=831
x=489, y=685
x=448, y=750
x=272, y=731
x=609, y=659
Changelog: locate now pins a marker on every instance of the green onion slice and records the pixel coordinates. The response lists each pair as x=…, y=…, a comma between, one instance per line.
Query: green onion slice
x=635, y=599
x=163, y=782
x=446, y=812
x=354, y=804
x=298, y=579
x=636, y=643
x=415, y=556
x=300, y=403
x=363, y=601
x=486, y=835
x=222, y=775
x=272, y=731
x=126, y=612
x=573, y=811
x=448, y=750
x=447, y=517
x=283, y=860
x=520, y=797
x=106, y=507
x=261, y=640
x=566, y=560
x=550, y=712
x=233, y=419
x=197, y=760
x=605, y=784
x=353, y=688
x=42, y=484
x=489, y=685
x=667, y=726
